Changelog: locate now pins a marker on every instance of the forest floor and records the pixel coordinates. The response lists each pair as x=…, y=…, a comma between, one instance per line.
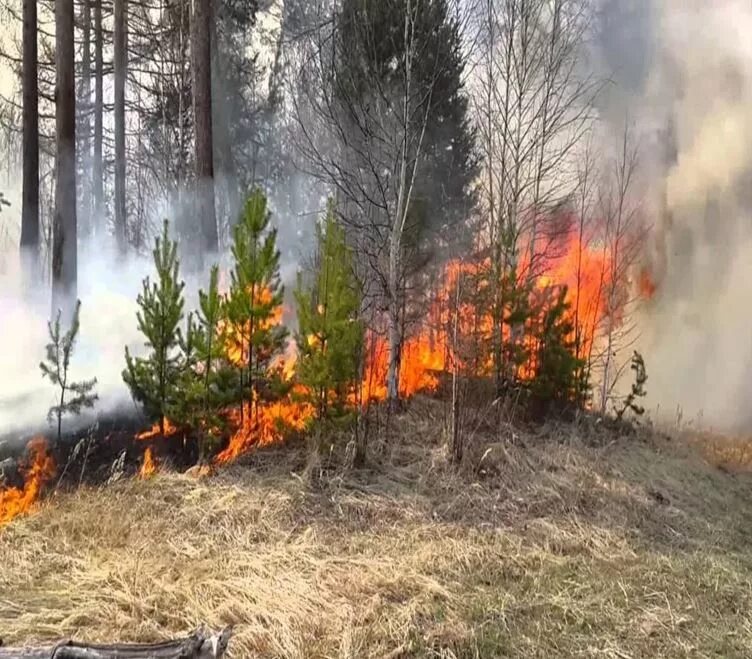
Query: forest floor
x=557, y=543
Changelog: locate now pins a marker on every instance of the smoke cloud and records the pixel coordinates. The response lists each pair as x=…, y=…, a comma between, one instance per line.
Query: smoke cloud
x=683, y=75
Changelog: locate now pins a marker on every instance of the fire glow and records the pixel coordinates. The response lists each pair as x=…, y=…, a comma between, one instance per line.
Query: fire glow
x=426, y=354
x=37, y=471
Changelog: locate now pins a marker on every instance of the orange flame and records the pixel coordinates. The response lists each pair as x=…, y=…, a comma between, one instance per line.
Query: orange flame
x=266, y=422
x=38, y=470
x=647, y=285
x=149, y=464
x=431, y=348
x=584, y=270
x=169, y=430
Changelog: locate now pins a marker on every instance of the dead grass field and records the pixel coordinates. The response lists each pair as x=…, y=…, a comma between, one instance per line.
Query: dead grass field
x=548, y=547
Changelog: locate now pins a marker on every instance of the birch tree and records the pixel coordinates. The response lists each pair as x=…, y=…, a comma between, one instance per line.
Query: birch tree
x=378, y=86
x=534, y=109
x=624, y=235
x=121, y=67
x=97, y=160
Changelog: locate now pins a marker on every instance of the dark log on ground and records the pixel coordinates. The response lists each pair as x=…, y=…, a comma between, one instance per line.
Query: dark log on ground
x=196, y=646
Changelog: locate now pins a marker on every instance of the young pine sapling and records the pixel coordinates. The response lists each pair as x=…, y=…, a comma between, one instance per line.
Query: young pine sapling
x=74, y=396
x=330, y=336
x=207, y=383
x=153, y=379
x=255, y=333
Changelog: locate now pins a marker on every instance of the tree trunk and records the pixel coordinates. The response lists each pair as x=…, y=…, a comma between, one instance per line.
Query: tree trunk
x=201, y=56
x=121, y=63
x=64, y=239
x=85, y=120
x=196, y=646
x=97, y=164
x=30, y=204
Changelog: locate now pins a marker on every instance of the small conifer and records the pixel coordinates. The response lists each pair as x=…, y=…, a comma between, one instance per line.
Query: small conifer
x=255, y=334
x=74, y=396
x=330, y=335
x=153, y=379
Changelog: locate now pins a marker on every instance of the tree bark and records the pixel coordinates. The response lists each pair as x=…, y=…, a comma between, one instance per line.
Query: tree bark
x=121, y=64
x=201, y=56
x=30, y=204
x=196, y=646
x=85, y=120
x=97, y=163
x=65, y=238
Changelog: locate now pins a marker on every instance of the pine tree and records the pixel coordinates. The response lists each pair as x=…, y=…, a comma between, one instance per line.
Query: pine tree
x=557, y=367
x=255, y=334
x=330, y=334
x=55, y=368
x=371, y=35
x=205, y=387
x=153, y=379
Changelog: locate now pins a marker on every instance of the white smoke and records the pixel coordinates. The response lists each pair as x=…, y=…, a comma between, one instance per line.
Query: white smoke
x=683, y=71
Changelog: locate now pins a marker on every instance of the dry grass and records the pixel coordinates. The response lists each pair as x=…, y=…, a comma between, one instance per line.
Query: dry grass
x=546, y=548
x=730, y=453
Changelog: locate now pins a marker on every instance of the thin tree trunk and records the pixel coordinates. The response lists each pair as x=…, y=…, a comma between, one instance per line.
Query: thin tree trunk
x=30, y=204
x=202, y=108
x=64, y=241
x=393, y=319
x=121, y=64
x=97, y=164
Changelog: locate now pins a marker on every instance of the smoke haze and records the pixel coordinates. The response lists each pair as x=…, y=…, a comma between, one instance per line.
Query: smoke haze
x=683, y=73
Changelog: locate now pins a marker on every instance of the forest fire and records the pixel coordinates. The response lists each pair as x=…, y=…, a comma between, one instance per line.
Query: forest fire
x=458, y=316
x=647, y=285
x=37, y=470
x=584, y=272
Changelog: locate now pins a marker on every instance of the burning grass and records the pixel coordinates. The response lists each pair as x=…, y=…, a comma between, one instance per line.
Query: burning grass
x=542, y=546
x=36, y=471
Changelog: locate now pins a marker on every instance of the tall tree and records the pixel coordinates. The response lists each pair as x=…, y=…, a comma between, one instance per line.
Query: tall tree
x=391, y=99
x=85, y=119
x=121, y=66
x=533, y=102
x=65, y=229
x=97, y=161
x=202, y=110
x=30, y=209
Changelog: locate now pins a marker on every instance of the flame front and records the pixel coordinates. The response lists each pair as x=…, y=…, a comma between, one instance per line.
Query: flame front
x=37, y=471
x=457, y=330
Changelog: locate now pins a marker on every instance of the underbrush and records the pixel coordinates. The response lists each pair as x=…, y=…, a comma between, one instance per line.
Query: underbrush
x=566, y=540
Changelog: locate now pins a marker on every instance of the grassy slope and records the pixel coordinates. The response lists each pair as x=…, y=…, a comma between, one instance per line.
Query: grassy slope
x=557, y=550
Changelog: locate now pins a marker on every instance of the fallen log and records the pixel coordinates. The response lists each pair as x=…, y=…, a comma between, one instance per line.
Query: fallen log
x=196, y=646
